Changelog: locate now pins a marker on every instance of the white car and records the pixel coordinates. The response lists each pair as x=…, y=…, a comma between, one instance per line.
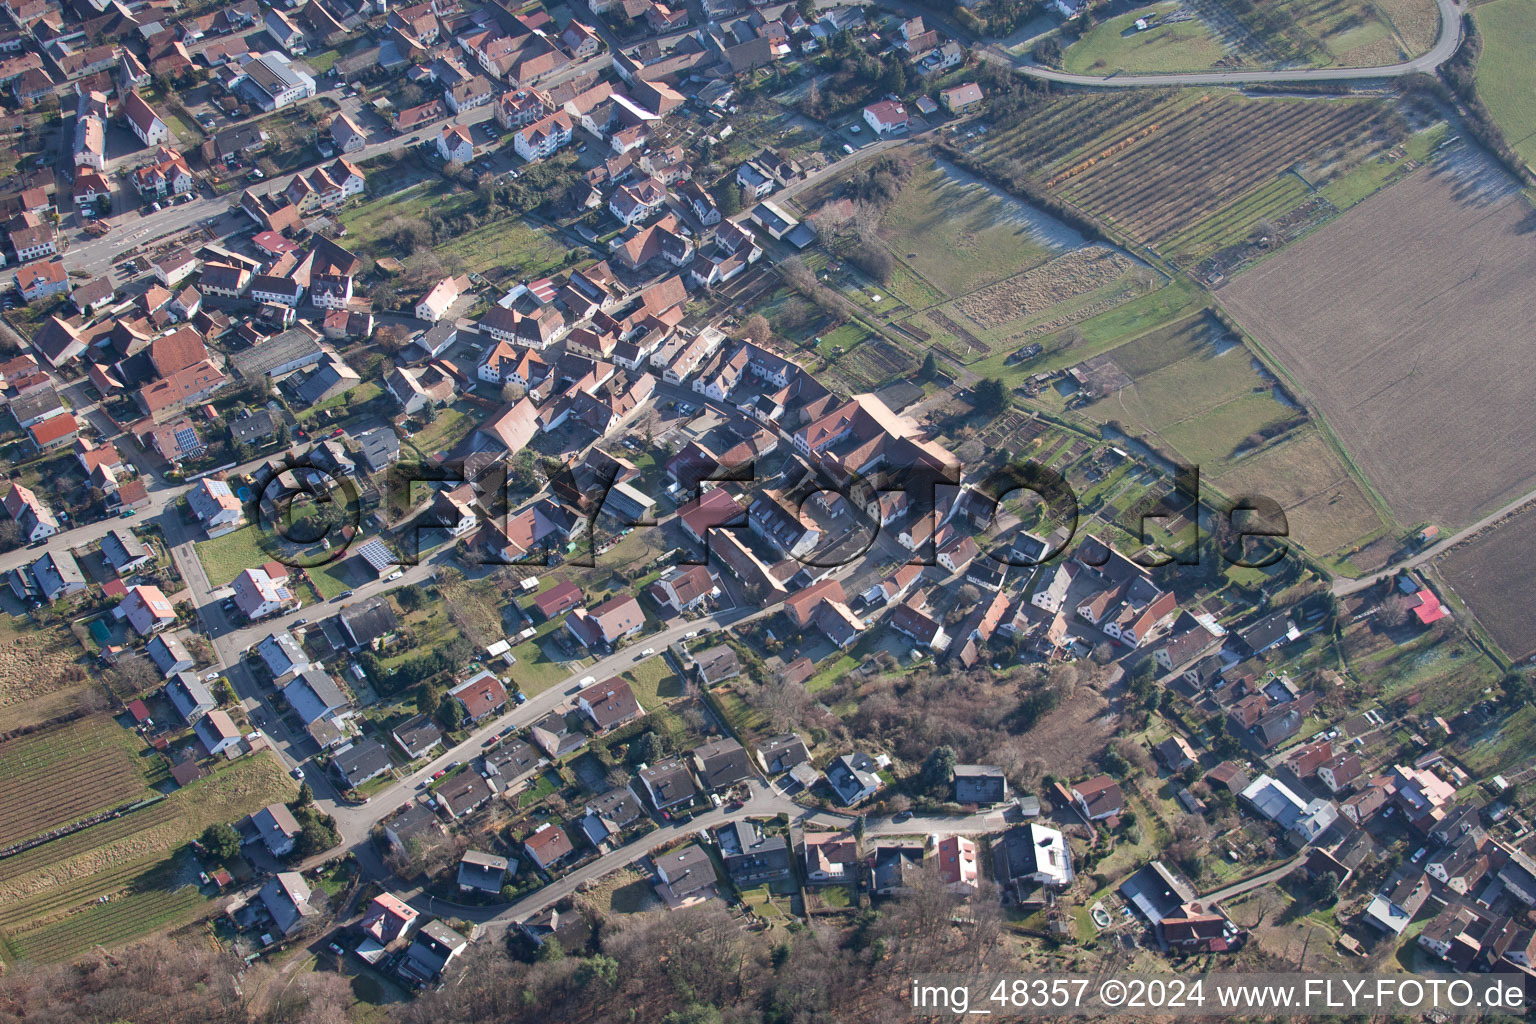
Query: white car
x=647, y=652
x=588, y=680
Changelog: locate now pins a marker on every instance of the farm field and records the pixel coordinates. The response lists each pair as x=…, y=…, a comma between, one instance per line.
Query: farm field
x=1506, y=75
x=1238, y=221
x=57, y=777
x=1192, y=157
x=49, y=895
x=963, y=233
x=1115, y=45
x=1324, y=507
x=1415, y=359
x=146, y=906
x=1194, y=390
x=1492, y=575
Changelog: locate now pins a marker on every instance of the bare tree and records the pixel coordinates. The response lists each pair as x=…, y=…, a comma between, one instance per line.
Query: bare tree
x=1394, y=610
x=756, y=329
x=132, y=674
x=783, y=704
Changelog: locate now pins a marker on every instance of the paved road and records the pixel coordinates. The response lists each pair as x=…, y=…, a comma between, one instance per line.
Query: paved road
x=1343, y=588
x=1445, y=46
x=764, y=802
x=86, y=535
x=132, y=228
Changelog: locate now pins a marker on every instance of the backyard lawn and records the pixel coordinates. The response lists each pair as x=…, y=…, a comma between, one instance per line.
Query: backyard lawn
x=653, y=682
x=228, y=556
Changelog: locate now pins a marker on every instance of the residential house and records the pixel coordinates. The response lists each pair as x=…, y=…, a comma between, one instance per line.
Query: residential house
x=853, y=778
x=687, y=876
x=434, y=305
x=464, y=793
x=361, y=761
x=750, y=857
x=482, y=872
x=609, y=704
x=217, y=732
x=276, y=829
x=548, y=846
x=286, y=898
x=188, y=695
x=887, y=117
x=258, y=595
x=543, y=137
x=146, y=609
x=830, y=857
x=480, y=696
x=982, y=784
x=142, y=119
x=957, y=865
x=668, y=783
x=435, y=947
x=418, y=736
x=961, y=99
x=721, y=763
x=171, y=657
x=781, y=753
x=1099, y=798
x=454, y=144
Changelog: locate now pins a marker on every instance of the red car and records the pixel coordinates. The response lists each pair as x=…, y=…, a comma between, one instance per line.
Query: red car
x=440, y=773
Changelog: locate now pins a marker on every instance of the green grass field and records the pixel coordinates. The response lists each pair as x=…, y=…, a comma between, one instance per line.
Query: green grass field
x=1115, y=45
x=1199, y=401
x=508, y=248
x=1179, y=298
x=654, y=682
x=1361, y=182
x=450, y=427
x=228, y=556
x=1506, y=71
x=367, y=391
x=962, y=234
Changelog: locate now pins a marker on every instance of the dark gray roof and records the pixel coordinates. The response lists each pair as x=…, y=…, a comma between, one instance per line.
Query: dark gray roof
x=278, y=350
x=722, y=763
x=362, y=760
x=367, y=621
x=314, y=694
x=418, y=733
x=379, y=447
x=257, y=426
